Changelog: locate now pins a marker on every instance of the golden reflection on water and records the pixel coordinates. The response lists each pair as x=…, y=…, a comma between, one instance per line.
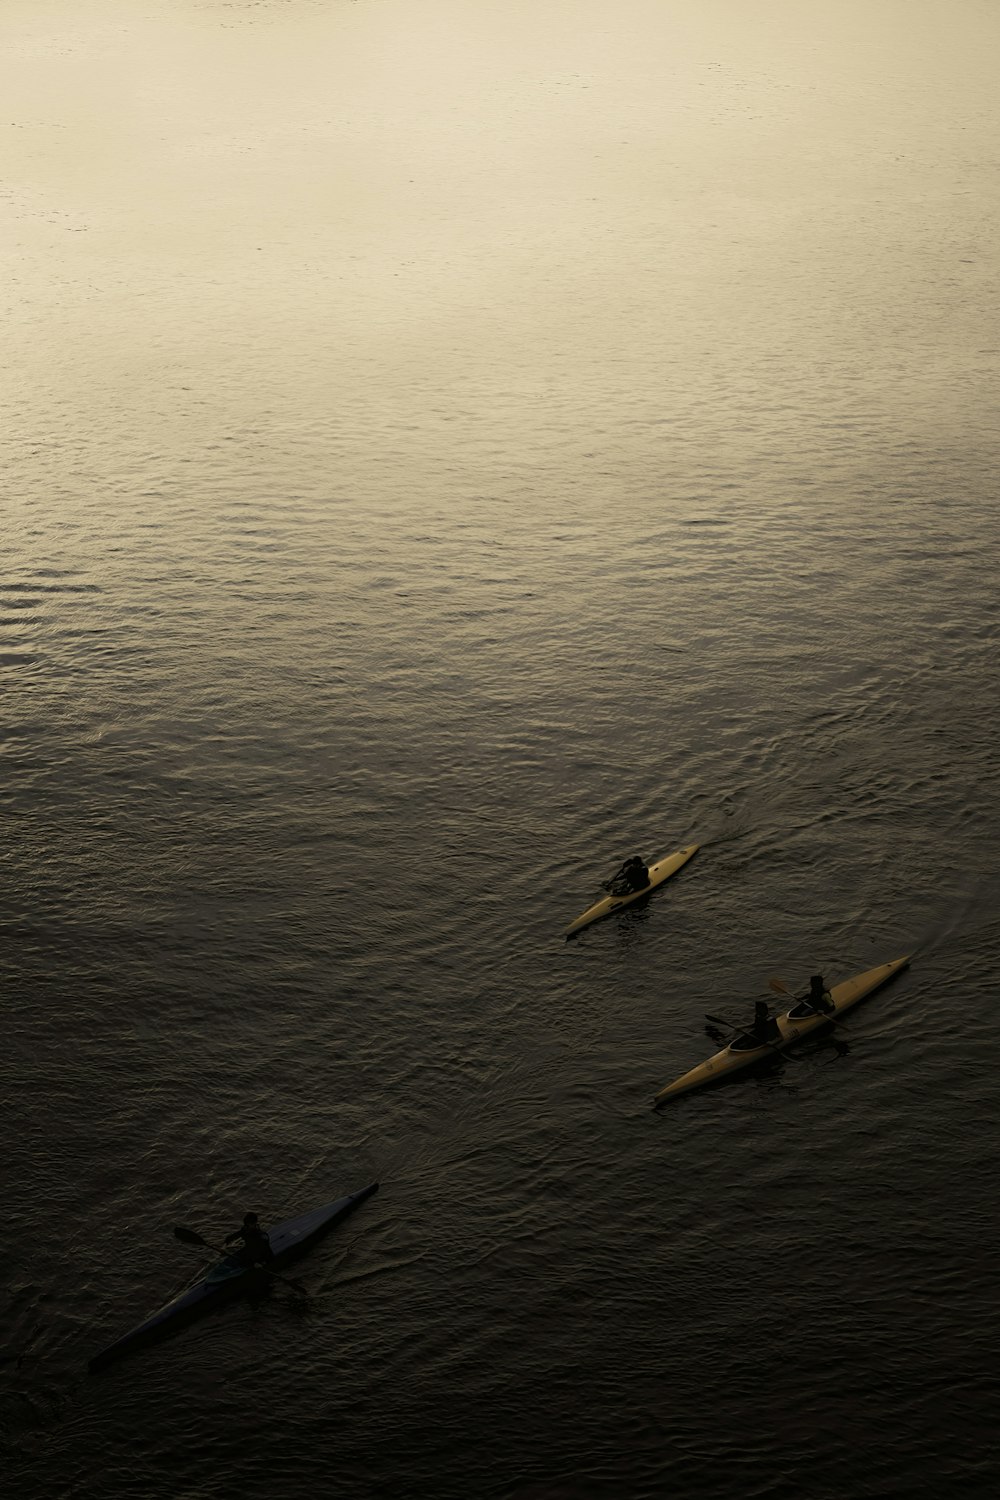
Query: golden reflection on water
x=455, y=255
x=517, y=191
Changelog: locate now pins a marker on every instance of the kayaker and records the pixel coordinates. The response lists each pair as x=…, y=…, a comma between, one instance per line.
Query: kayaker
x=818, y=998
x=765, y=1028
x=256, y=1249
x=633, y=876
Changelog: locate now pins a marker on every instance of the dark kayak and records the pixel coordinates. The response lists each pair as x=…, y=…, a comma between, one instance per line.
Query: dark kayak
x=231, y=1278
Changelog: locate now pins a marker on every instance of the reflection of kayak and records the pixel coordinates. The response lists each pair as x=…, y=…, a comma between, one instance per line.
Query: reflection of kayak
x=797, y=1022
x=658, y=873
x=231, y=1278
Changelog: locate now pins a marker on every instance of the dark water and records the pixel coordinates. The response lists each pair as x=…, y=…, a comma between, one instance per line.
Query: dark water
x=449, y=449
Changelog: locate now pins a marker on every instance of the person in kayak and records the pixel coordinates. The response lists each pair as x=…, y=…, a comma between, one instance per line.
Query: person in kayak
x=256, y=1248
x=818, y=998
x=765, y=1029
x=633, y=876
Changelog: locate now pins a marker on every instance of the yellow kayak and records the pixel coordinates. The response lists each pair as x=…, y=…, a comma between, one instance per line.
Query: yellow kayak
x=795, y=1023
x=658, y=873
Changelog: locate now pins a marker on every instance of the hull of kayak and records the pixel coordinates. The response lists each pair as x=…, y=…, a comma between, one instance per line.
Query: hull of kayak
x=230, y=1279
x=658, y=873
x=795, y=1023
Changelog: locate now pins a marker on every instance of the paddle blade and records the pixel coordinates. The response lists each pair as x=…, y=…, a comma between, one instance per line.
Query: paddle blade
x=188, y=1236
x=779, y=988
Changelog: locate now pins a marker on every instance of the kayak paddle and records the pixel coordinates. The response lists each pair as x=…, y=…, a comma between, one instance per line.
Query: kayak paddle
x=191, y=1237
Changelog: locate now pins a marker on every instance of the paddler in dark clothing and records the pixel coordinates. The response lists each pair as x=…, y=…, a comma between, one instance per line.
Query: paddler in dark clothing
x=633, y=876
x=256, y=1248
x=818, y=998
x=765, y=1028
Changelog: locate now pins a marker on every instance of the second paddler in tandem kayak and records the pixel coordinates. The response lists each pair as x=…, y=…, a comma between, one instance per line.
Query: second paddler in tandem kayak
x=819, y=1000
x=765, y=1030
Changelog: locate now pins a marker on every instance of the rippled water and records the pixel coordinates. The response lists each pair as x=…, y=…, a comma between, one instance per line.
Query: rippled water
x=449, y=448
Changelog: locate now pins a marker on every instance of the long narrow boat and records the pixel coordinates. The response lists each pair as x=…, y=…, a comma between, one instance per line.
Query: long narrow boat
x=795, y=1023
x=658, y=873
x=230, y=1278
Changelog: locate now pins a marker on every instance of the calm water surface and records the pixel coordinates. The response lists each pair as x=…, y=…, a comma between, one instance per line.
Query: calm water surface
x=448, y=448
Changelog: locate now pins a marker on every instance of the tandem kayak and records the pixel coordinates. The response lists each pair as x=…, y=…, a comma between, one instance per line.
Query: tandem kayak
x=795, y=1023
x=658, y=873
x=230, y=1278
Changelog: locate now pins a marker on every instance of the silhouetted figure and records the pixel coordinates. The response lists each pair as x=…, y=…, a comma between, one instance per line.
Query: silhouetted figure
x=633, y=876
x=818, y=998
x=256, y=1248
x=765, y=1028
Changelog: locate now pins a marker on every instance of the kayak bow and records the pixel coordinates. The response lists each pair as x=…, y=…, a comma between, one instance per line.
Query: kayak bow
x=658, y=873
x=797, y=1022
x=230, y=1278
